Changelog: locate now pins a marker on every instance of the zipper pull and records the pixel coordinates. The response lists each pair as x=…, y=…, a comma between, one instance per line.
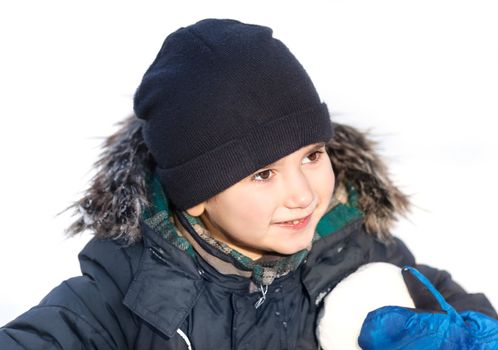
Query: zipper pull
x=261, y=300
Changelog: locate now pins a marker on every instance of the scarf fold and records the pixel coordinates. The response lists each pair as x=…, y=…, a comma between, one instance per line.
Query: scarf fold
x=160, y=216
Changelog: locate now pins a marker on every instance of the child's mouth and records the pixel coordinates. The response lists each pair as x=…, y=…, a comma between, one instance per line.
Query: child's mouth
x=296, y=224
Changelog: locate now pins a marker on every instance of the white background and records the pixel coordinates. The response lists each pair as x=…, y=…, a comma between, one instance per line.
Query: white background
x=421, y=75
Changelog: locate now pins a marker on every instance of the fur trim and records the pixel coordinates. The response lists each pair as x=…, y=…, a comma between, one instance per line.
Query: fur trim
x=113, y=204
x=354, y=160
x=111, y=207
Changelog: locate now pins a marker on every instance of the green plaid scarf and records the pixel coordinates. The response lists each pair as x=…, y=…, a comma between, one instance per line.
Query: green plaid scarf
x=159, y=217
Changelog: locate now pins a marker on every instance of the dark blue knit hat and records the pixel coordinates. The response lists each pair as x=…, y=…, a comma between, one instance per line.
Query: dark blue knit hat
x=221, y=100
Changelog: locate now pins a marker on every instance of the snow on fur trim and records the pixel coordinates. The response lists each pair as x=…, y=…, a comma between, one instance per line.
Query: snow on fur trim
x=112, y=205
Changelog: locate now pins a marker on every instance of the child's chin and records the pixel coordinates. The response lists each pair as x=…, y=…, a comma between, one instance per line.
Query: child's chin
x=289, y=250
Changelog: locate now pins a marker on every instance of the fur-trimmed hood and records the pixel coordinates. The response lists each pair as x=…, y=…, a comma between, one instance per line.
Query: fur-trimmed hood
x=111, y=207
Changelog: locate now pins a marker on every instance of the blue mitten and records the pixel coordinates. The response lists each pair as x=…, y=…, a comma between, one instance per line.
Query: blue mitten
x=394, y=327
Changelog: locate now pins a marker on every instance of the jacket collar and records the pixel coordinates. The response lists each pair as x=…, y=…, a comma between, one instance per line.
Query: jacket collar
x=168, y=282
x=335, y=255
x=166, y=285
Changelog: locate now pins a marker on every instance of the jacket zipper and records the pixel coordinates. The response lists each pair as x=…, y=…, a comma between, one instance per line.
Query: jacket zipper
x=261, y=300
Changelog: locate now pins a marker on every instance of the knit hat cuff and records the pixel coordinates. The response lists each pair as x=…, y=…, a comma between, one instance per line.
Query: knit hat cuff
x=203, y=177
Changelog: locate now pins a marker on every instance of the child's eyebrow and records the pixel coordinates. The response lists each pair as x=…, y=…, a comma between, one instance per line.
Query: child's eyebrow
x=316, y=147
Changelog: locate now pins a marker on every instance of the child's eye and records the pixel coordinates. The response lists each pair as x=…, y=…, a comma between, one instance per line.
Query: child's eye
x=312, y=157
x=264, y=175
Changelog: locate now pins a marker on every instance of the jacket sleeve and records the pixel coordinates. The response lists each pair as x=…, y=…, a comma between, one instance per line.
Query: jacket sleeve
x=398, y=254
x=84, y=312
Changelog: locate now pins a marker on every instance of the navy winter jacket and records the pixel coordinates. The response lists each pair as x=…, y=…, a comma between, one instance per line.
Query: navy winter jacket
x=151, y=295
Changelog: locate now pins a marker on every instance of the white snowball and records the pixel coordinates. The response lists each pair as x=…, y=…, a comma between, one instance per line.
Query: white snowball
x=370, y=287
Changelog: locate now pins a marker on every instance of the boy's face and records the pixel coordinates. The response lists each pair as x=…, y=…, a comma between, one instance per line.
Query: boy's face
x=275, y=209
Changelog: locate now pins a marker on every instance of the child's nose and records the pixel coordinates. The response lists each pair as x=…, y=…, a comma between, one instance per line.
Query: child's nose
x=299, y=192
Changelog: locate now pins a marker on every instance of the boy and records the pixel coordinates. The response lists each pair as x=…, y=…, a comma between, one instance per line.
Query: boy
x=225, y=210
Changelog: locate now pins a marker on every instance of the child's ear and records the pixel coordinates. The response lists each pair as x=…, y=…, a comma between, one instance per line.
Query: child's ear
x=197, y=210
